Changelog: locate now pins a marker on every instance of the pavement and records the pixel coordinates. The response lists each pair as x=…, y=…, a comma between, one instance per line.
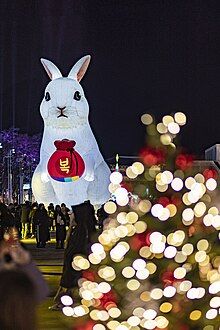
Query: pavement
x=49, y=260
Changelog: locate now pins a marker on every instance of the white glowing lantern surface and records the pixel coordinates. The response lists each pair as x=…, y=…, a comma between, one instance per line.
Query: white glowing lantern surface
x=70, y=123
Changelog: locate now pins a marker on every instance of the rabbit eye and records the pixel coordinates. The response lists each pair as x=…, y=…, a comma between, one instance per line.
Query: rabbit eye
x=77, y=96
x=47, y=96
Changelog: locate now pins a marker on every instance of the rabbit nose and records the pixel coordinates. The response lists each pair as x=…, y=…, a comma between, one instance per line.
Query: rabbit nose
x=61, y=109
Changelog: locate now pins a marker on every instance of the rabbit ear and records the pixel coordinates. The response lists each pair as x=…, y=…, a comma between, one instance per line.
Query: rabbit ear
x=79, y=69
x=51, y=69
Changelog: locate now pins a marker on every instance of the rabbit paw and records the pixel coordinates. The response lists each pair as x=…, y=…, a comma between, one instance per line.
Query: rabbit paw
x=89, y=176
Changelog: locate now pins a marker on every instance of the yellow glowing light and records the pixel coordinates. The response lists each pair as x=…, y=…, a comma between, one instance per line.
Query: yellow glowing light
x=114, y=312
x=140, y=227
x=145, y=252
x=172, y=209
x=179, y=174
x=185, y=285
x=161, y=188
x=133, y=285
x=200, y=256
x=139, y=311
x=166, y=177
x=187, y=249
x=121, y=231
x=164, y=215
x=145, y=296
x=185, y=199
x=132, y=217
x=144, y=206
x=103, y=315
x=133, y=321
x=110, y=207
x=93, y=314
x=154, y=170
x=178, y=237
x=199, y=178
x=167, y=120
x=189, y=182
x=146, y=119
x=156, y=294
x=199, y=209
x=151, y=267
x=128, y=272
x=166, y=307
x=161, y=322
x=137, y=168
x=95, y=259
x=213, y=211
x=121, y=218
x=195, y=315
x=112, y=325
x=180, y=118
x=179, y=273
x=161, y=128
x=165, y=139
x=113, y=187
x=130, y=174
x=180, y=257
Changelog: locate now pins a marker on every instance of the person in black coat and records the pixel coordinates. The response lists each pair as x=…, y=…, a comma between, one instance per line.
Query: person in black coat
x=6, y=219
x=77, y=243
x=61, y=217
x=41, y=223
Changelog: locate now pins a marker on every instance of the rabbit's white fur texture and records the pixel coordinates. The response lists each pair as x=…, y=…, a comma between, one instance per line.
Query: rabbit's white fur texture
x=67, y=118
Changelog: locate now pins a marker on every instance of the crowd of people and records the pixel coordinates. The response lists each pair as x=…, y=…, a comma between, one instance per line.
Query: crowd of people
x=36, y=221
x=73, y=232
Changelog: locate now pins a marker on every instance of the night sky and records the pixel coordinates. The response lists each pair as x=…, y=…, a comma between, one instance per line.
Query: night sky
x=147, y=56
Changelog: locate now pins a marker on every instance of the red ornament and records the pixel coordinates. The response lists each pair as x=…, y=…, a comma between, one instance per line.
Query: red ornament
x=209, y=173
x=152, y=156
x=109, y=297
x=164, y=201
x=65, y=164
x=184, y=161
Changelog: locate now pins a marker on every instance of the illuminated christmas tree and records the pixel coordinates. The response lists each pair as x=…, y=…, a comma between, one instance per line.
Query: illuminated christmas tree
x=156, y=265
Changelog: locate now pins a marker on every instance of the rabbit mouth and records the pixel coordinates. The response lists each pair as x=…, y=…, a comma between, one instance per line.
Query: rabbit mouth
x=62, y=115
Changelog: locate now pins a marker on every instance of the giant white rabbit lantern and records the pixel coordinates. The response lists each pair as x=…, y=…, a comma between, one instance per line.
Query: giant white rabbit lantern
x=71, y=169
